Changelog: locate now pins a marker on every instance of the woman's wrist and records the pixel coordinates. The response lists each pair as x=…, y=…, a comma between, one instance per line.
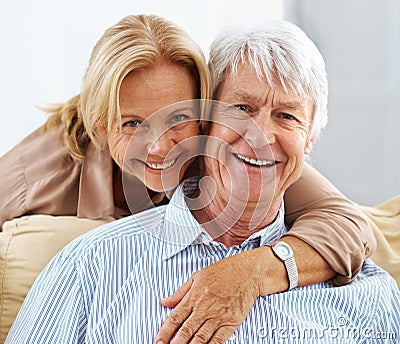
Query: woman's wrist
x=271, y=271
x=283, y=251
x=272, y=276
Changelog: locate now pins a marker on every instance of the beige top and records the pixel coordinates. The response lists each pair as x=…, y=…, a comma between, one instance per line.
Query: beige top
x=38, y=176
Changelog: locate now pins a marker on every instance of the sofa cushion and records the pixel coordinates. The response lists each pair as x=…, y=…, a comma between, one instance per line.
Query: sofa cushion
x=27, y=244
x=385, y=222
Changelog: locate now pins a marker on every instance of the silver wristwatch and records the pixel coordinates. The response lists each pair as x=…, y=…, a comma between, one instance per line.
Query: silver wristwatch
x=284, y=252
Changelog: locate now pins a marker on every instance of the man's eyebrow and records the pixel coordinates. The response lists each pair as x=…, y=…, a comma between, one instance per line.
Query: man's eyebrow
x=242, y=95
x=294, y=105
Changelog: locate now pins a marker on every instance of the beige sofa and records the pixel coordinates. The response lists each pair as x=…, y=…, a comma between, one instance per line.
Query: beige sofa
x=27, y=244
x=385, y=222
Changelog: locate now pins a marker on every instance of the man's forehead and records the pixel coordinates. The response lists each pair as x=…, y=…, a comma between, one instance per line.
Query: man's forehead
x=245, y=74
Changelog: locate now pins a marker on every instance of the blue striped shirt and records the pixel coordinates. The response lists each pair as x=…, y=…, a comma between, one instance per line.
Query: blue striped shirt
x=106, y=287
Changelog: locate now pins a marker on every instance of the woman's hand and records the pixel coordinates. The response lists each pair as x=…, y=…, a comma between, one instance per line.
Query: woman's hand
x=211, y=304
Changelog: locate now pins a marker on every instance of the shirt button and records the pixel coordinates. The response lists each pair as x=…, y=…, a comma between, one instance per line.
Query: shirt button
x=232, y=337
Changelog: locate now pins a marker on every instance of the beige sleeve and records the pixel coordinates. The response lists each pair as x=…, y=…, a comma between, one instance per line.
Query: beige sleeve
x=12, y=186
x=38, y=176
x=320, y=215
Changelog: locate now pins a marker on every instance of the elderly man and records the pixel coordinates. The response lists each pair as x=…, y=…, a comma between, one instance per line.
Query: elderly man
x=107, y=286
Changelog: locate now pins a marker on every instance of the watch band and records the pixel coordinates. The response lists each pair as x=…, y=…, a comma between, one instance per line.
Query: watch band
x=285, y=253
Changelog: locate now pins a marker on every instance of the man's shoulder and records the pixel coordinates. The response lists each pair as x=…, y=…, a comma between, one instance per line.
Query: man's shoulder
x=360, y=305
x=131, y=229
x=373, y=276
x=372, y=281
x=373, y=289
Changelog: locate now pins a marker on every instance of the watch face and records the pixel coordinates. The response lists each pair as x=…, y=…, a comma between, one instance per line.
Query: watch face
x=282, y=250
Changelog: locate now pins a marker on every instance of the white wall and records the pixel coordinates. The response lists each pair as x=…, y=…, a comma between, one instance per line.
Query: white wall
x=360, y=41
x=45, y=46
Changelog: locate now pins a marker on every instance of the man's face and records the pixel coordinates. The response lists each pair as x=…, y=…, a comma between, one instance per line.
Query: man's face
x=257, y=139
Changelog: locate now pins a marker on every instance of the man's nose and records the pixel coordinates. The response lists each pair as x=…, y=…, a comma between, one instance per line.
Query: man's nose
x=261, y=132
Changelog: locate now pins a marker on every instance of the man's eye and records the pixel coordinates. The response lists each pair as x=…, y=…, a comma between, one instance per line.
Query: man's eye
x=241, y=107
x=288, y=116
x=132, y=124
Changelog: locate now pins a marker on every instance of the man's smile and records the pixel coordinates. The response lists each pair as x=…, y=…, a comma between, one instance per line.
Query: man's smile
x=255, y=162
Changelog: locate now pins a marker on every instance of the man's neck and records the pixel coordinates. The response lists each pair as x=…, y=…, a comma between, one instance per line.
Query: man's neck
x=230, y=226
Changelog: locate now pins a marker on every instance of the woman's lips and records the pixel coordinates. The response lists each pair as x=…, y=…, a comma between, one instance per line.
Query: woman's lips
x=161, y=166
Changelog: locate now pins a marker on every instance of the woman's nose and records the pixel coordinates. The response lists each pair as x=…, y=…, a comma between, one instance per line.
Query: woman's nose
x=162, y=144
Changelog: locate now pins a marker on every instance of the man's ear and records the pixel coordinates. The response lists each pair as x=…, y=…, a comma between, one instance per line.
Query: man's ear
x=309, y=144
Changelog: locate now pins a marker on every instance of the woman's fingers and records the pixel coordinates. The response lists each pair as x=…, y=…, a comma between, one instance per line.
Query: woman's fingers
x=213, y=302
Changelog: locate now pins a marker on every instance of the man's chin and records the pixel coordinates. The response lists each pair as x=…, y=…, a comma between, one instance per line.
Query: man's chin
x=241, y=202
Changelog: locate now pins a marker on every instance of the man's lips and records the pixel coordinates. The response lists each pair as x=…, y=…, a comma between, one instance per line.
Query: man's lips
x=255, y=162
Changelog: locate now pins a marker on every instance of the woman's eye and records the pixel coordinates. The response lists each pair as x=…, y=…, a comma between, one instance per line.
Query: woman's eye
x=132, y=124
x=179, y=118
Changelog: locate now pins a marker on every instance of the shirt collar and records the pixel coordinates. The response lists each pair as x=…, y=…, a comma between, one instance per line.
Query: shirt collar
x=181, y=229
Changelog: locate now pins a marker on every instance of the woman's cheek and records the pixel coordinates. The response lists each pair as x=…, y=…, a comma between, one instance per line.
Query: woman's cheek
x=118, y=145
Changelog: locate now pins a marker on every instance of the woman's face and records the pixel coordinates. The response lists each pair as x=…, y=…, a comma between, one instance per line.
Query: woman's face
x=158, y=138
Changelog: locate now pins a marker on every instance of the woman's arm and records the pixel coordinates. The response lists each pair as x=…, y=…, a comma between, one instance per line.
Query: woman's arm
x=320, y=215
x=330, y=239
x=214, y=301
x=12, y=186
x=37, y=176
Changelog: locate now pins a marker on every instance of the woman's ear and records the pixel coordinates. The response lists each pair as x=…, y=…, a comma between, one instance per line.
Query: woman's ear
x=102, y=129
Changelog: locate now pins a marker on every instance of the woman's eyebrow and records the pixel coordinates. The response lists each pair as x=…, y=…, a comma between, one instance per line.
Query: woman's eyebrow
x=130, y=115
x=182, y=109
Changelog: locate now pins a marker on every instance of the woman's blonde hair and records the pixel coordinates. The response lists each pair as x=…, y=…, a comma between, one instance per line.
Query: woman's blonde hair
x=134, y=43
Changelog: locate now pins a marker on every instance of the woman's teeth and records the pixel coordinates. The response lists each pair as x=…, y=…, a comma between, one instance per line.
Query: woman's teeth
x=255, y=162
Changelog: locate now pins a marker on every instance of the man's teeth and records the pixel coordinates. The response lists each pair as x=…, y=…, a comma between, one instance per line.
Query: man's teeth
x=256, y=162
x=161, y=166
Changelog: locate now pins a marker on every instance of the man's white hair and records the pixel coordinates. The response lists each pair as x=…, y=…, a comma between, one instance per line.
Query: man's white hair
x=278, y=51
